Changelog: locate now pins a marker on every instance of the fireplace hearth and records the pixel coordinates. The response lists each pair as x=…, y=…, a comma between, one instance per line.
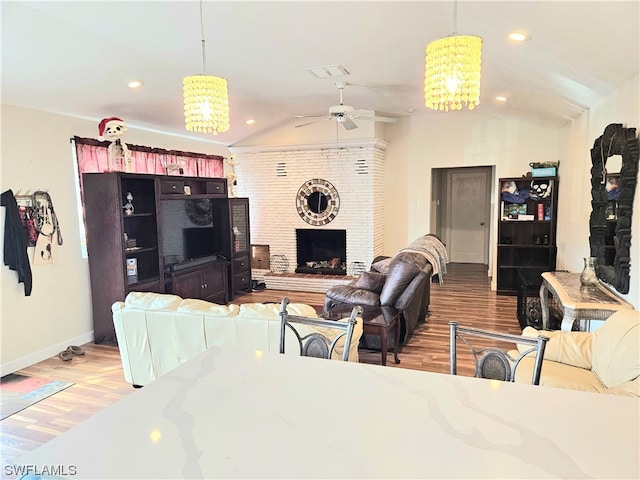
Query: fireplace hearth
x=322, y=252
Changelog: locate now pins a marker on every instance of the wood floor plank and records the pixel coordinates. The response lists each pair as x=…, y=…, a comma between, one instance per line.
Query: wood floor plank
x=465, y=297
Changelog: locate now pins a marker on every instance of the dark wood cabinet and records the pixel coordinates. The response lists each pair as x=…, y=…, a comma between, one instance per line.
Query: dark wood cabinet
x=241, y=266
x=162, y=234
x=119, y=264
x=207, y=282
x=526, y=229
x=236, y=240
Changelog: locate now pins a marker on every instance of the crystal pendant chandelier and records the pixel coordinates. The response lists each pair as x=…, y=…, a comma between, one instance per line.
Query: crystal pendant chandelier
x=452, y=71
x=206, y=100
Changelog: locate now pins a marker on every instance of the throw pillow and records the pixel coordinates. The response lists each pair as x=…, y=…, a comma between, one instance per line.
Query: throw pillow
x=382, y=266
x=371, y=281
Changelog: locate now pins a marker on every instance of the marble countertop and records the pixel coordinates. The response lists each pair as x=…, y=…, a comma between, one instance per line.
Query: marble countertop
x=236, y=414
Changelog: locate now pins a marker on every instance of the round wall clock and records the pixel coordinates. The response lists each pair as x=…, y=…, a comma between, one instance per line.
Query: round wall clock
x=317, y=202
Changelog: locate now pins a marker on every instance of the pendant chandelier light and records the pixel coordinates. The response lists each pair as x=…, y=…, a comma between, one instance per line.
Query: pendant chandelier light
x=452, y=71
x=206, y=100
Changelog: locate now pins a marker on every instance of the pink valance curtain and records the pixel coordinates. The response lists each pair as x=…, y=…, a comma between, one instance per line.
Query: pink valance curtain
x=93, y=157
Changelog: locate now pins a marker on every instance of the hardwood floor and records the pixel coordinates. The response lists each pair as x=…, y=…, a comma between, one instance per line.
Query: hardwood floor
x=465, y=296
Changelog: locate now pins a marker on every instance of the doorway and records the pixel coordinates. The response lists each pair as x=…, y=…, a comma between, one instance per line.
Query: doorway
x=462, y=216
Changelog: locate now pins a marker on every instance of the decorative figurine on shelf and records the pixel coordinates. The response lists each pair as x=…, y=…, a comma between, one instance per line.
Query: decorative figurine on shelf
x=232, y=178
x=540, y=189
x=128, y=207
x=113, y=128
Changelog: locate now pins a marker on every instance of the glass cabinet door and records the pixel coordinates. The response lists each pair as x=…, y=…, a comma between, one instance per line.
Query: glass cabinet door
x=240, y=224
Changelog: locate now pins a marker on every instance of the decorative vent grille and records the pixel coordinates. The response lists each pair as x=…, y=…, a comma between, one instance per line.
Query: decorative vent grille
x=279, y=263
x=281, y=169
x=361, y=167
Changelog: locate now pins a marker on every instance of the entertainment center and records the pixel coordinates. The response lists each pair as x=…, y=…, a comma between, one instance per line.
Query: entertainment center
x=163, y=234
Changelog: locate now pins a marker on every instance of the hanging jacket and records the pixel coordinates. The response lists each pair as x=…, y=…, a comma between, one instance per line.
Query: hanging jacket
x=16, y=241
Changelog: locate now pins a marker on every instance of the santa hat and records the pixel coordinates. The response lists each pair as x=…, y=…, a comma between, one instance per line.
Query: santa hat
x=104, y=122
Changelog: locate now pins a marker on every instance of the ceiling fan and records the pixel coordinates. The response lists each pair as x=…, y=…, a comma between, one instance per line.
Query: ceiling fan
x=345, y=114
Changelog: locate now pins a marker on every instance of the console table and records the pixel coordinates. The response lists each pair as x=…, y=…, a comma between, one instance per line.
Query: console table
x=578, y=302
x=229, y=413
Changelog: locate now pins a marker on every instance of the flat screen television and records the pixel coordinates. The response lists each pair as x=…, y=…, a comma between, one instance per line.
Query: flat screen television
x=198, y=242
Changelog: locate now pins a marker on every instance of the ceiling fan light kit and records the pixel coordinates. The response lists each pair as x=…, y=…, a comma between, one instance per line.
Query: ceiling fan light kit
x=206, y=98
x=345, y=114
x=452, y=71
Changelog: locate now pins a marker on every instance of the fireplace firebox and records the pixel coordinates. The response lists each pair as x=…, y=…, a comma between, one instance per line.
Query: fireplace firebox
x=322, y=252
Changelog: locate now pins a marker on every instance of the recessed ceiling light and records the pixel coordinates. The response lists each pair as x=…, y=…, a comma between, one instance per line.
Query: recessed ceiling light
x=251, y=121
x=135, y=84
x=519, y=36
x=500, y=98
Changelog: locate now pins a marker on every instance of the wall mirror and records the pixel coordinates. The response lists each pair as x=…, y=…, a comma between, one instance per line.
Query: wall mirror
x=614, y=168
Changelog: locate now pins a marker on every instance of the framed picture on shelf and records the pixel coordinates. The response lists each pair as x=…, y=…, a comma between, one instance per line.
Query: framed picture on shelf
x=511, y=211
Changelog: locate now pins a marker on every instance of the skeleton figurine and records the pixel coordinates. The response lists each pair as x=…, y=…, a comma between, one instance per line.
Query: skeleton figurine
x=112, y=129
x=232, y=179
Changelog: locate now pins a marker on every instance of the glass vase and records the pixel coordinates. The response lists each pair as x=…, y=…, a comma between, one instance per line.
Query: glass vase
x=588, y=276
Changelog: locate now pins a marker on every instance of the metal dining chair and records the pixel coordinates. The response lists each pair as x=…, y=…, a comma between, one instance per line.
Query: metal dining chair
x=492, y=362
x=317, y=337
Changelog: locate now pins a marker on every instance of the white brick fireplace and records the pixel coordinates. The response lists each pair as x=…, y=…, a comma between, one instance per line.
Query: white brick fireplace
x=271, y=176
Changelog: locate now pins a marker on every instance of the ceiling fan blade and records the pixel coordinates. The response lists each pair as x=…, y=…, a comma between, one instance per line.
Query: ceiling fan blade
x=369, y=115
x=348, y=124
x=320, y=119
x=311, y=116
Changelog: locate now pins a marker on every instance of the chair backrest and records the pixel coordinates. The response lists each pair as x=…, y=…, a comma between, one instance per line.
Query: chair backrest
x=314, y=335
x=492, y=362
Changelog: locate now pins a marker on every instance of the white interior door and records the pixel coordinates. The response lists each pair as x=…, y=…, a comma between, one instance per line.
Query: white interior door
x=468, y=215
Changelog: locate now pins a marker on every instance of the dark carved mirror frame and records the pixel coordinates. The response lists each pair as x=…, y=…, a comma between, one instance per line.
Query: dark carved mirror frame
x=616, y=140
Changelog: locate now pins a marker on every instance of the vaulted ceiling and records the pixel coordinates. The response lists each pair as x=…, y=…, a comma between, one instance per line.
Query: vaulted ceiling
x=76, y=58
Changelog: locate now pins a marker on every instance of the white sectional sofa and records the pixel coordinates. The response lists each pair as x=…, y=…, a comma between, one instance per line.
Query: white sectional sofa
x=604, y=361
x=158, y=332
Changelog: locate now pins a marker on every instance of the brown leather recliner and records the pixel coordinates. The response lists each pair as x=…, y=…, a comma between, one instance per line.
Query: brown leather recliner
x=405, y=285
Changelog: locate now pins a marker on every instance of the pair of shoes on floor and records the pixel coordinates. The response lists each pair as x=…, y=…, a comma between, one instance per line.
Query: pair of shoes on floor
x=68, y=354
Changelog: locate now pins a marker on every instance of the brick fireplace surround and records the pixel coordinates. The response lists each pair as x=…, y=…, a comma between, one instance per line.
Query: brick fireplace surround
x=271, y=176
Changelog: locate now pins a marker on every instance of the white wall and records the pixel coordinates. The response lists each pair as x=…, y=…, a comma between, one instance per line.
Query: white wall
x=623, y=106
x=421, y=143
x=36, y=154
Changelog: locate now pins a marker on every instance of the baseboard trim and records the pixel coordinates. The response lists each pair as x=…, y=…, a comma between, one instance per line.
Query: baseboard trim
x=45, y=353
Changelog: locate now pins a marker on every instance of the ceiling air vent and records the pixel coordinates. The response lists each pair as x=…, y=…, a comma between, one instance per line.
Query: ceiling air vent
x=281, y=169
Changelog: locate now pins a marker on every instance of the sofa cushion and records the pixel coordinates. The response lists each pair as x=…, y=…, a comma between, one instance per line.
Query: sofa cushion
x=192, y=305
x=402, y=270
x=560, y=375
x=571, y=348
x=372, y=281
x=616, y=348
x=152, y=301
x=352, y=295
x=272, y=310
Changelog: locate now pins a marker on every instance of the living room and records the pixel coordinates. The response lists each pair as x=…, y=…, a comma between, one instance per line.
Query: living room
x=36, y=154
